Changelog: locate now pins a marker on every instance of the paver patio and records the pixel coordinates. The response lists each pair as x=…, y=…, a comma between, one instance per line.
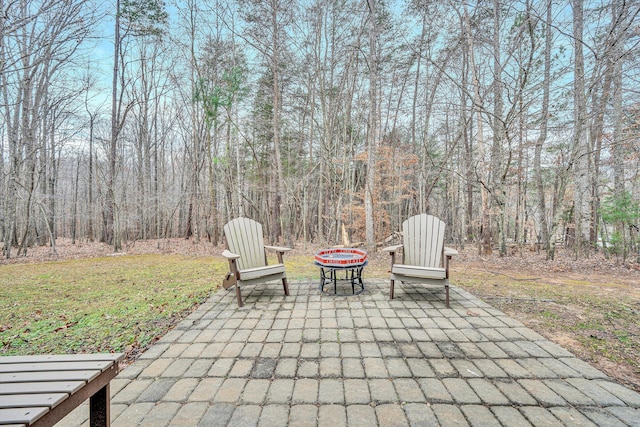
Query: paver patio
x=312, y=359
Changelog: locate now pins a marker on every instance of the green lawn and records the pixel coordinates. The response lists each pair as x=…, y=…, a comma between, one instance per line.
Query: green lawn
x=101, y=304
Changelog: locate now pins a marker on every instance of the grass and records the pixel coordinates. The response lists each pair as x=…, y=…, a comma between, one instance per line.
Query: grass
x=100, y=304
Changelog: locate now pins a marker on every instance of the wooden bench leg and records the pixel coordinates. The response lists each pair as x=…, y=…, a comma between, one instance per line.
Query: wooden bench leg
x=100, y=408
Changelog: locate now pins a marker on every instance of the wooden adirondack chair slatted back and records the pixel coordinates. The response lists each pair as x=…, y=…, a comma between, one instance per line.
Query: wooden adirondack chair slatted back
x=423, y=239
x=244, y=237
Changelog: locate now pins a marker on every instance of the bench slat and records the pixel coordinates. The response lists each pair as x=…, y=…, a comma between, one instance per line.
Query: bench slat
x=22, y=415
x=26, y=377
x=114, y=357
x=42, y=387
x=55, y=366
x=31, y=400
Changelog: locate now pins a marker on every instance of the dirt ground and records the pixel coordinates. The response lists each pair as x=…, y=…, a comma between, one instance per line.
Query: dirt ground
x=590, y=306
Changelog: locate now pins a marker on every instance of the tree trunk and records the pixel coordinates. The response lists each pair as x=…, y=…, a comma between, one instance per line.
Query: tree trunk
x=372, y=131
x=544, y=237
x=581, y=155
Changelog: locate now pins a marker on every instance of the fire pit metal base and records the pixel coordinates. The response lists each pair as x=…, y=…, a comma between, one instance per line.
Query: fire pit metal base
x=341, y=269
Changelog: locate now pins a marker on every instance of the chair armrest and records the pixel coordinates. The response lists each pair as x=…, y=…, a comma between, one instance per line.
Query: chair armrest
x=392, y=249
x=277, y=248
x=229, y=255
x=449, y=252
x=280, y=250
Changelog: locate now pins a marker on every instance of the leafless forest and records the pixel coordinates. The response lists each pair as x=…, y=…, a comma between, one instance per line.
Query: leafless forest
x=515, y=121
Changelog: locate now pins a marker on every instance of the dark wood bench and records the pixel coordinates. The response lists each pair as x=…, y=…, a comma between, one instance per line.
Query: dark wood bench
x=41, y=390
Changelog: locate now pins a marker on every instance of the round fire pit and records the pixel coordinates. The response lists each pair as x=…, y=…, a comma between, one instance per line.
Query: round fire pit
x=342, y=268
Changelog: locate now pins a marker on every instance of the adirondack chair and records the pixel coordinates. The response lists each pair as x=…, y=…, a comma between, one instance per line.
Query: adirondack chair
x=424, y=258
x=247, y=256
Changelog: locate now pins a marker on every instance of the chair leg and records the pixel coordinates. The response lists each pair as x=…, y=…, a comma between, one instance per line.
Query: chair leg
x=238, y=295
x=446, y=290
x=285, y=286
x=391, y=289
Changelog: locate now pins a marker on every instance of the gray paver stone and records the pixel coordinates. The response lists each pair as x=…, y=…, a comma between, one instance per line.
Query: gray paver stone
x=356, y=391
x=515, y=392
x=543, y=394
x=539, y=416
x=630, y=416
x=420, y=415
x=178, y=368
x=449, y=415
x=156, y=390
x=206, y=389
x=221, y=367
x=601, y=417
x=492, y=350
x=391, y=415
x=569, y=392
x=443, y=368
x=305, y=390
x=133, y=414
x=361, y=416
x=382, y=391
x=160, y=415
x=230, y=390
x=263, y=368
x=352, y=368
x=189, y=414
x=303, y=415
x=488, y=393
x=594, y=391
x=156, y=368
x=397, y=368
x=245, y=416
x=585, y=369
x=537, y=369
x=430, y=350
x=471, y=350
x=241, y=368
x=409, y=349
x=559, y=368
x=408, y=390
x=255, y=392
x=489, y=368
x=274, y=416
x=420, y=368
x=280, y=390
x=461, y=391
x=466, y=368
x=199, y=368
x=510, y=416
x=434, y=391
x=480, y=416
x=571, y=417
x=331, y=391
x=330, y=367
x=181, y=390
x=332, y=416
x=513, y=368
x=625, y=394
x=307, y=369
x=375, y=368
